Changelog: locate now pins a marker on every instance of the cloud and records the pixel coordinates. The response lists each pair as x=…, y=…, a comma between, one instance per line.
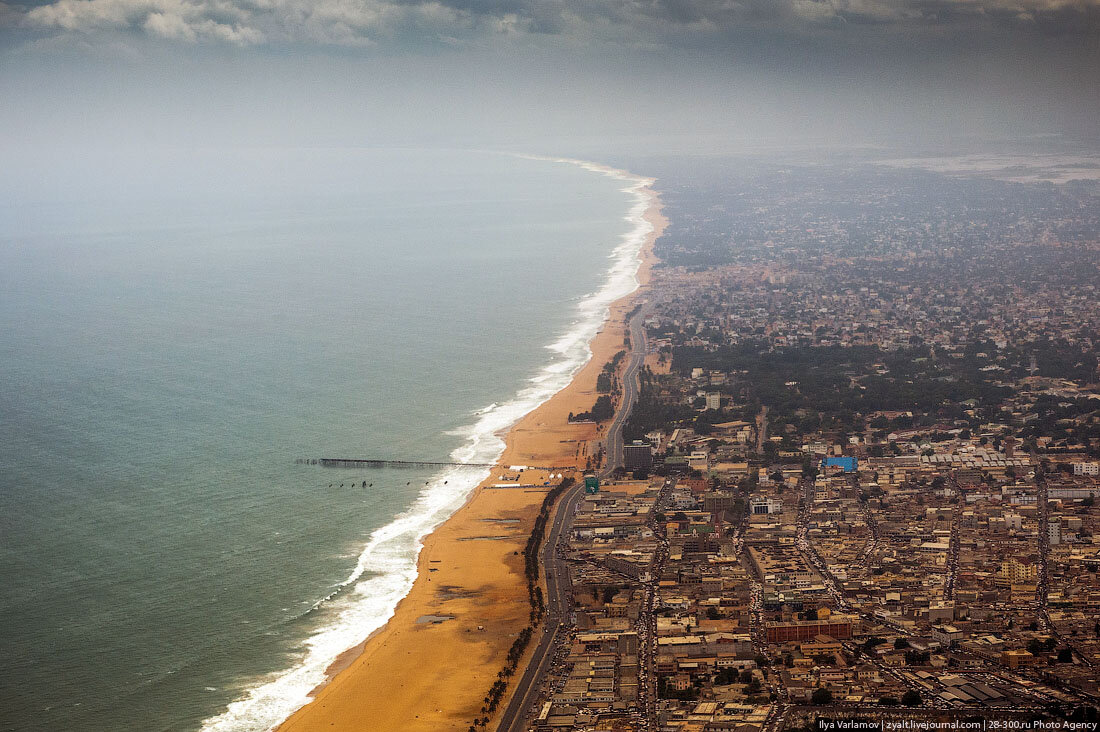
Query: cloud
x=215, y=20
x=449, y=22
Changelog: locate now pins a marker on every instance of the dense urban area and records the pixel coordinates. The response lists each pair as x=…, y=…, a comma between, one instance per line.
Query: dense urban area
x=861, y=477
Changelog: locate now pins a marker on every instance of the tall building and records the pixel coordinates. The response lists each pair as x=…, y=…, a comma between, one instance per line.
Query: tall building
x=637, y=456
x=1014, y=571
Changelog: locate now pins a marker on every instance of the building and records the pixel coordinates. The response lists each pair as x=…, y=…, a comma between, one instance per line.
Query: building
x=1014, y=572
x=1017, y=658
x=838, y=627
x=637, y=456
x=714, y=400
x=764, y=505
x=1074, y=492
x=1054, y=533
x=697, y=486
x=845, y=463
x=1086, y=469
x=716, y=501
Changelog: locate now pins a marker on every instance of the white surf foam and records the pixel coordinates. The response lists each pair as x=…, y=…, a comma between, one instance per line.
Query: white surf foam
x=386, y=568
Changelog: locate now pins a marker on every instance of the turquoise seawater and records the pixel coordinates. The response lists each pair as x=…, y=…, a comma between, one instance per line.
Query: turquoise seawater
x=176, y=329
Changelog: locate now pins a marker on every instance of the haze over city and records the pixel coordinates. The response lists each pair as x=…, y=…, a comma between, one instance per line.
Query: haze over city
x=688, y=75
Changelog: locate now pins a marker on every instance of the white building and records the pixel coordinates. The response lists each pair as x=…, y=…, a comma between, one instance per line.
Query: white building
x=764, y=505
x=1086, y=469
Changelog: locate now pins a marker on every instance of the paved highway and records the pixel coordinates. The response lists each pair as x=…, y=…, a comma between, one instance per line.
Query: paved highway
x=613, y=442
x=559, y=599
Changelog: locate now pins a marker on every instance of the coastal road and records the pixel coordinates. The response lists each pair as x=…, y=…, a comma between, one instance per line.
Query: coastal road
x=614, y=439
x=558, y=604
x=559, y=591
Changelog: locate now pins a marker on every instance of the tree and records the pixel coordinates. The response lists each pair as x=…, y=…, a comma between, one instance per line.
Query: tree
x=1065, y=655
x=916, y=658
x=726, y=676
x=900, y=643
x=821, y=697
x=872, y=642
x=889, y=701
x=602, y=410
x=911, y=698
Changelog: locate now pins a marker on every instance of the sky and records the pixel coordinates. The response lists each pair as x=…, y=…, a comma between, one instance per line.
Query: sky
x=552, y=76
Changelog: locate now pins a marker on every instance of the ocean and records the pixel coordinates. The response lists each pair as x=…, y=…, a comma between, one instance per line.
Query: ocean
x=177, y=328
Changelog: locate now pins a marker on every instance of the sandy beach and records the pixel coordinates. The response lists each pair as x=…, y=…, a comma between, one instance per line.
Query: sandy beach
x=431, y=665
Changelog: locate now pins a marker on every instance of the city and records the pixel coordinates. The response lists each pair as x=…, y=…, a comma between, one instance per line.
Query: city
x=861, y=475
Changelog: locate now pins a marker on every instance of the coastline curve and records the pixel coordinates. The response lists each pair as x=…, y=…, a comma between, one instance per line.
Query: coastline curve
x=387, y=568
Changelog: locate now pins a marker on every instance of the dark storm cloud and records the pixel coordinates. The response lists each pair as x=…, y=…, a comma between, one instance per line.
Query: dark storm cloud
x=642, y=22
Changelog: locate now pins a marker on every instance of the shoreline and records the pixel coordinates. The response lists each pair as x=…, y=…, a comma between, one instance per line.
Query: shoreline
x=468, y=599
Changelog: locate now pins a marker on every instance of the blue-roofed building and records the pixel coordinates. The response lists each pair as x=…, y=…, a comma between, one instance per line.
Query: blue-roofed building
x=847, y=464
